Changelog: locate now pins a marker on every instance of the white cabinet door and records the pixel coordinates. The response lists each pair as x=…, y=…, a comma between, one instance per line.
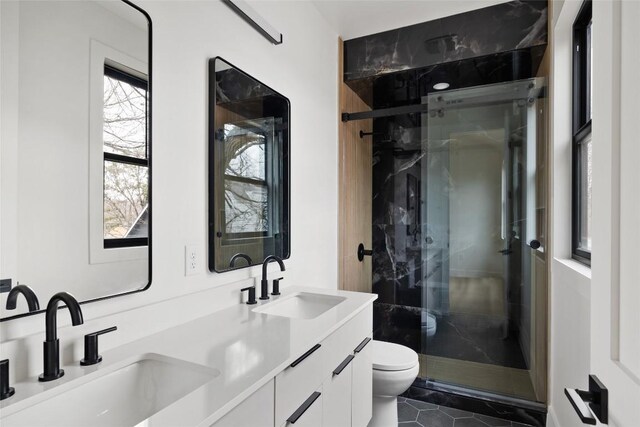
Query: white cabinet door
x=336, y=394
x=362, y=386
x=615, y=279
x=255, y=411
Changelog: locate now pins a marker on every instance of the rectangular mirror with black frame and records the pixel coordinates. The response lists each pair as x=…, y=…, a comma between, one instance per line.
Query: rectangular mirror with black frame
x=76, y=150
x=249, y=199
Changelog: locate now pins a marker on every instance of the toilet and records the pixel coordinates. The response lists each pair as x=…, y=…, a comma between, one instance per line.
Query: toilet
x=429, y=324
x=394, y=369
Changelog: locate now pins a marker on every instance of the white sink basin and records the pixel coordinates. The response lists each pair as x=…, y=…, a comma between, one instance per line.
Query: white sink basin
x=124, y=397
x=302, y=305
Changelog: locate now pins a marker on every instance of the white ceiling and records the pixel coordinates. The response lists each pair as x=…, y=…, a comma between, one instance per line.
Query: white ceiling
x=356, y=18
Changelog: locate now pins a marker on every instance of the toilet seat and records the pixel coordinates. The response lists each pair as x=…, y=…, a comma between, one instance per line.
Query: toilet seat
x=429, y=323
x=392, y=357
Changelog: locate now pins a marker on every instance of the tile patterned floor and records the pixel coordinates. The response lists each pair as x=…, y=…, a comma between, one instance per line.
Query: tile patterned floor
x=413, y=413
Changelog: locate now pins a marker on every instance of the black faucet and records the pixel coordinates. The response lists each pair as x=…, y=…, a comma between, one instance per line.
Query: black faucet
x=246, y=257
x=29, y=295
x=264, y=288
x=51, y=345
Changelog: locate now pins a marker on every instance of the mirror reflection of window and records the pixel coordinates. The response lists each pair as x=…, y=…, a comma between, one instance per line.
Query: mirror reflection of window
x=126, y=166
x=248, y=178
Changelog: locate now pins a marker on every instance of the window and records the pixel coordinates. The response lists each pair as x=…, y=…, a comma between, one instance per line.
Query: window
x=126, y=165
x=247, y=208
x=582, y=142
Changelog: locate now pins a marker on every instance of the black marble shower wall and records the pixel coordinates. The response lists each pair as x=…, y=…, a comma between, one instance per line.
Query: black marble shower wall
x=496, y=44
x=500, y=28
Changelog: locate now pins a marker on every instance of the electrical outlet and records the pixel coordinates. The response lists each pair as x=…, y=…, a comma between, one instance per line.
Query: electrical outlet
x=191, y=260
x=5, y=285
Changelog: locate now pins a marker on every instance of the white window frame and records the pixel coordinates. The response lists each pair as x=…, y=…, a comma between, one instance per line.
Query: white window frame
x=101, y=54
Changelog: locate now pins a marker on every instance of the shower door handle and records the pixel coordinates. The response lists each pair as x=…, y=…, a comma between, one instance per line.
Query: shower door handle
x=362, y=252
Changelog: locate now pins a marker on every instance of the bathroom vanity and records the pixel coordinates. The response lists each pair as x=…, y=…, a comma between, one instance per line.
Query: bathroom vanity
x=302, y=358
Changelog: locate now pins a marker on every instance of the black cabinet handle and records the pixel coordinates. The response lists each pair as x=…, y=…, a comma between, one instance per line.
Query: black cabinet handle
x=535, y=244
x=303, y=408
x=343, y=365
x=362, y=345
x=304, y=356
x=362, y=252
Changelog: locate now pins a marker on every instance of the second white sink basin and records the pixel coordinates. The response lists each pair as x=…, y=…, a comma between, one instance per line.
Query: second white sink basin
x=302, y=305
x=122, y=397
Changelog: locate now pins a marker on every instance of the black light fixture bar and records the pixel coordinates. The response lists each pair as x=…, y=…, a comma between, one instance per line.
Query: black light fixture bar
x=247, y=13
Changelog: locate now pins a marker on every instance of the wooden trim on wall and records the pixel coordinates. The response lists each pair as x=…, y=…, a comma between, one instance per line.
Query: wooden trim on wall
x=355, y=157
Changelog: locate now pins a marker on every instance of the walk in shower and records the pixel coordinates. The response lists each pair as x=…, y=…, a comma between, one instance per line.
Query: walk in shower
x=452, y=113
x=458, y=237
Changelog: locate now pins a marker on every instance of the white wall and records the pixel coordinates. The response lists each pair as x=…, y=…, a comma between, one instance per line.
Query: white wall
x=304, y=68
x=570, y=286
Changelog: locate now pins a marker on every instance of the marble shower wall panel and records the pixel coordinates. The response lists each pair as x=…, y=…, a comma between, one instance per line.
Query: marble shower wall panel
x=391, y=90
x=504, y=27
x=396, y=208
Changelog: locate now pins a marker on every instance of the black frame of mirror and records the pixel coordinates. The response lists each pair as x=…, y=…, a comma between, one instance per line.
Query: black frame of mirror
x=150, y=169
x=211, y=179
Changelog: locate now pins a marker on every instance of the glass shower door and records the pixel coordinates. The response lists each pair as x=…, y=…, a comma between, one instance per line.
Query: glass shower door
x=479, y=220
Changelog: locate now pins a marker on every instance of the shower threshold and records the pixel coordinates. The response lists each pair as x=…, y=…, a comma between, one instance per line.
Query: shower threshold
x=478, y=401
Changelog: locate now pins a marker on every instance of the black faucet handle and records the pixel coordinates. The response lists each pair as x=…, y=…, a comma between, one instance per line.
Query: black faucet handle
x=276, y=286
x=5, y=390
x=91, y=356
x=252, y=294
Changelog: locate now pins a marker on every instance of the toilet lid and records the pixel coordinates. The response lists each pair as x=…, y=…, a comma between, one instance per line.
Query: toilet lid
x=392, y=357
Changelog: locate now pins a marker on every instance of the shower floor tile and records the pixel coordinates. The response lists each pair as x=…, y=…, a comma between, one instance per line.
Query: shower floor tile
x=480, y=376
x=413, y=413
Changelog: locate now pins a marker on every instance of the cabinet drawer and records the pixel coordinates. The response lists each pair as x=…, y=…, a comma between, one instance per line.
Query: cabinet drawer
x=296, y=383
x=342, y=342
x=255, y=411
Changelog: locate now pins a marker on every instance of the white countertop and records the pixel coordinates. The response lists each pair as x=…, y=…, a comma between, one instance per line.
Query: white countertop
x=248, y=349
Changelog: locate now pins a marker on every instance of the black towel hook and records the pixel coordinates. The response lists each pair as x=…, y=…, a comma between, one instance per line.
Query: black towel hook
x=362, y=252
